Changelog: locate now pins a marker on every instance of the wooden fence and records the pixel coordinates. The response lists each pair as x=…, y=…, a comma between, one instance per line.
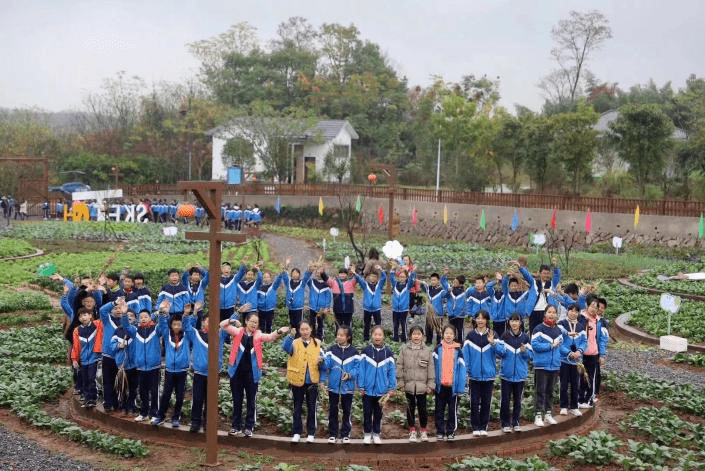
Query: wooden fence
x=514, y=200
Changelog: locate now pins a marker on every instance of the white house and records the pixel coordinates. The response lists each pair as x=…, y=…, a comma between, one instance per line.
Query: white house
x=308, y=151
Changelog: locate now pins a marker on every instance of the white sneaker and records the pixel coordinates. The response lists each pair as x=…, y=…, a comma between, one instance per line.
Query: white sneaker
x=368, y=439
x=309, y=439
x=140, y=418
x=295, y=438
x=346, y=440
x=575, y=412
x=476, y=433
x=584, y=405
x=506, y=429
x=548, y=418
x=564, y=411
x=517, y=428
x=412, y=436
x=538, y=421
x=376, y=439
x=331, y=440
x=424, y=436
x=483, y=433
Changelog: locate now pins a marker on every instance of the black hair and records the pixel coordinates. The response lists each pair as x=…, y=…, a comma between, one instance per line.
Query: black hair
x=415, y=328
x=461, y=279
x=513, y=280
x=83, y=310
x=572, y=306
x=451, y=327
x=114, y=276
x=602, y=301
x=342, y=270
x=484, y=314
x=128, y=275
x=138, y=276
x=480, y=277
x=305, y=321
x=571, y=288
x=226, y=263
x=347, y=330
x=373, y=254
x=435, y=275
x=591, y=298
x=193, y=270
x=250, y=314
x=295, y=270
x=172, y=270
x=544, y=267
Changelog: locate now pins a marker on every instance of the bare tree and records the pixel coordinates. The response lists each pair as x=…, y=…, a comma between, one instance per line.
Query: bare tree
x=577, y=38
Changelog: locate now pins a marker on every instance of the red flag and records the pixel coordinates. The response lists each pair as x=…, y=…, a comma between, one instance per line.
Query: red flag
x=413, y=216
x=553, y=220
x=380, y=215
x=588, y=221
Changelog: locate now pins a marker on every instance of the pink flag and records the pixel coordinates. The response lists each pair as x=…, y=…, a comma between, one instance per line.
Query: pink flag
x=380, y=215
x=554, y=225
x=588, y=221
x=413, y=216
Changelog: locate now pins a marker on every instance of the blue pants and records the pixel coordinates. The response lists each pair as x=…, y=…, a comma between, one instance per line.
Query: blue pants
x=198, y=401
x=367, y=317
x=346, y=403
x=110, y=370
x=399, y=321
x=480, y=398
x=172, y=381
x=446, y=398
x=499, y=327
x=149, y=392
x=569, y=379
x=225, y=313
x=458, y=323
x=512, y=392
x=128, y=405
x=592, y=386
x=295, y=318
x=265, y=321
x=88, y=372
x=310, y=393
x=317, y=324
x=243, y=384
x=372, y=414
x=535, y=319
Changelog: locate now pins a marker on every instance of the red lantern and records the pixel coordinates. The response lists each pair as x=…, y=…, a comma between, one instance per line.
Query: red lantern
x=186, y=210
x=372, y=178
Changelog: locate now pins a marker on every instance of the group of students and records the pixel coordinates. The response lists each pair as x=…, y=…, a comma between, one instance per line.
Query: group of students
x=113, y=320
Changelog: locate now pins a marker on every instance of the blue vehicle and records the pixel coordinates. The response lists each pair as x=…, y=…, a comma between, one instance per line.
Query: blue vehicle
x=68, y=188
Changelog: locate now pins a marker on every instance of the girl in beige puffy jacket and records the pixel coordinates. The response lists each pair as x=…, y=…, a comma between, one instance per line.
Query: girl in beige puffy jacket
x=416, y=377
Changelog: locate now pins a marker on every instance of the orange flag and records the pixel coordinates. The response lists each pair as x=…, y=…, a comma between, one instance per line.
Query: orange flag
x=380, y=215
x=588, y=221
x=553, y=220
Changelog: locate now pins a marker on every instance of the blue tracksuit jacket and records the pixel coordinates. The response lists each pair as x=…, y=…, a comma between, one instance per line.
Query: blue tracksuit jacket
x=267, y=294
x=377, y=373
x=295, y=290
x=177, y=351
x=228, y=288
x=480, y=356
x=401, y=291
x=436, y=295
x=125, y=355
x=476, y=301
x=372, y=295
x=247, y=291
x=110, y=324
x=148, y=352
x=572, y=343
x=177, y=295
x=336, y=361
x=514, y=366
x=522, y=302
x=199, y=346
x=546, y=356
x=319, y=295
x=459, y=369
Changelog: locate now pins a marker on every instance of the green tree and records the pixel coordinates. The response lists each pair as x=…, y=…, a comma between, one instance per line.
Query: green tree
x=575, y=143
x=541, y=163
x=642, y=135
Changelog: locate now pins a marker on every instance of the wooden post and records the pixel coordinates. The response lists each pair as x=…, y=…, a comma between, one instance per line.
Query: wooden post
x=210, y=194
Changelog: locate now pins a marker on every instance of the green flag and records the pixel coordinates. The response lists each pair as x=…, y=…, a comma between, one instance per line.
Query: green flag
x=482, y=220
x=358, y=204
x=701, y=227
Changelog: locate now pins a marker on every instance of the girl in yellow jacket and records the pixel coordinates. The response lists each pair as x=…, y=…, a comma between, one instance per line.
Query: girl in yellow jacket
x=302, y=374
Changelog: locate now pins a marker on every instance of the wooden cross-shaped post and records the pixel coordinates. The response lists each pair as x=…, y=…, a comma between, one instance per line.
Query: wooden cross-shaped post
x=209, y=194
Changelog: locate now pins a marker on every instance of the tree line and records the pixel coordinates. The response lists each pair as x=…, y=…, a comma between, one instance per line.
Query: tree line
x=280, y=87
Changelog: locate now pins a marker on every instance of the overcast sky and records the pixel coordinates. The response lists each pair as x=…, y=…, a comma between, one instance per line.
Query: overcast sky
x=54, y=52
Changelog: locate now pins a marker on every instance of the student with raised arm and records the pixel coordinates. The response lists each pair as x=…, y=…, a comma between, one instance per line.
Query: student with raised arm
x=456, y=303
x=546, y=341
x=267, y=300
x=295, y=292
x=549, y=278
x=401, y=290
x=371, y=298
x=436, y=295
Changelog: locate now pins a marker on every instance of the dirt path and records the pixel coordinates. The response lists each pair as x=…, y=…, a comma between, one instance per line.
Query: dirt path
x=301, y=252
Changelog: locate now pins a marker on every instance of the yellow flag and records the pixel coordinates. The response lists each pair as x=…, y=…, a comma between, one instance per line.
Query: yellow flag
x=320, y=205
x=445, y=214
x=636, y=216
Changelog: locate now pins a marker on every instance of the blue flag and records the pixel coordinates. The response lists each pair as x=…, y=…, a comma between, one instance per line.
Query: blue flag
x=278, y=205
x=515, y=220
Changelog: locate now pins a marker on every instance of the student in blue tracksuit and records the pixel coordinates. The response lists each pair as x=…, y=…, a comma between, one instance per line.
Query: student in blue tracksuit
x=339, y=370
x=548, y=279
x=480, y=296
x=246, y=290
x=85, y=353
x=196, y=281
x=451, y=378
x=177, y=349
x=573, y=295
x=515, y=354
x=228, y=289
x=480, y=352
x=377, y=376
x=199, y=347
x=175, y=292
x=295, y=293
x=143, y=294
x=371, y=299
x=110, y=315
x=596, y=330
x=546, y=341
x=147, y=360
x=515, y=299
x=267, y=300
x=436, y=295
x=401, y=289
x=320, y=298
x=455, y=304
x=123, y=348
x=572, y=348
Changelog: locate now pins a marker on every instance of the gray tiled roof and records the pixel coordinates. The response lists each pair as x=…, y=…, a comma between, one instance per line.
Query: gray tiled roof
x=329, y=128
